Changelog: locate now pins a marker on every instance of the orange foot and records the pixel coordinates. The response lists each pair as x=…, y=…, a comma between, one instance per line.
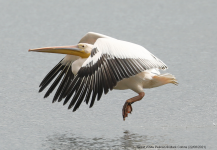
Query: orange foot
x=127, y=108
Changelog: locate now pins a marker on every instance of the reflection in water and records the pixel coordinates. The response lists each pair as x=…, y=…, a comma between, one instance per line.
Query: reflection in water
x=127, y=141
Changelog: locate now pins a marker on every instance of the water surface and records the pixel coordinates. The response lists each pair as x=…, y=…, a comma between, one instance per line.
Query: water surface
x=181, y=33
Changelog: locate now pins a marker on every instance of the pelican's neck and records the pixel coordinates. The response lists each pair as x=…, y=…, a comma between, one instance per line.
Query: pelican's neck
x=76, y=65
x=69, y=58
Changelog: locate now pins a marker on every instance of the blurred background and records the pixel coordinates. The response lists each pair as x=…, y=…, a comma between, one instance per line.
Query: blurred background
x=181, y=33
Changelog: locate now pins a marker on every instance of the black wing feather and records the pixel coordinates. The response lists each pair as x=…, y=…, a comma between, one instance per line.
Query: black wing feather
x=94, y=78
x=62, y=72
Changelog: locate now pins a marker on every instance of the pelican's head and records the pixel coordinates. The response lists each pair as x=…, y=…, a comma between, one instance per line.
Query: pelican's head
x=86, y=47
x=82, y=49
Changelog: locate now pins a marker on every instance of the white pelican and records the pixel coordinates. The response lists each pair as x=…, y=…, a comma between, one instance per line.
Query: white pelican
x=100, y=63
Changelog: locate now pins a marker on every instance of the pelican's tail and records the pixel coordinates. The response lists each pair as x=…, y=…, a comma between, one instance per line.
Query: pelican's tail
x=159, y=80
x=166, y=78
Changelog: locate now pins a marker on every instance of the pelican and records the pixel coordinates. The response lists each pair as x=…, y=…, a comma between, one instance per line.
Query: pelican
x=99, y=64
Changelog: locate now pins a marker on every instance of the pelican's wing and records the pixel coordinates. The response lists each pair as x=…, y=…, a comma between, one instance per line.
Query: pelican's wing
x=111, y=61
x=62, y=71
x=91, y=37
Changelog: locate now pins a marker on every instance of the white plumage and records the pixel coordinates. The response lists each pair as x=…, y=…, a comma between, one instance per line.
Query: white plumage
x=100, y=63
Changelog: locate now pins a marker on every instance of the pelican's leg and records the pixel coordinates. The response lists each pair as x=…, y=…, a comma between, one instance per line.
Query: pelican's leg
x=127, y=108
